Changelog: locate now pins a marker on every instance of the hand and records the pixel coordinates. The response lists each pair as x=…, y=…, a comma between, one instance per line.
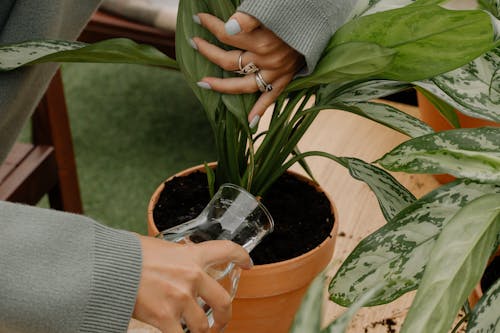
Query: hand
x=172, y=278
x=277, y=61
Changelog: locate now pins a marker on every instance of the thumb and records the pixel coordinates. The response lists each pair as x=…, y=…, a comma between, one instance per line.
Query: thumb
x=241, y=22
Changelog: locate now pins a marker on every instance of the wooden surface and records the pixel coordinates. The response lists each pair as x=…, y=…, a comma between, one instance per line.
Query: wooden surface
x=343, y=134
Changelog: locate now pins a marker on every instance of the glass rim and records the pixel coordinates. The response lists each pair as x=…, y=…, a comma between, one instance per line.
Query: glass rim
x=260, y=204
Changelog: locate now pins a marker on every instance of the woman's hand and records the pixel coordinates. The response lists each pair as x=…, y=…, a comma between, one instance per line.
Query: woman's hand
x=172, y=278
x=277, y=61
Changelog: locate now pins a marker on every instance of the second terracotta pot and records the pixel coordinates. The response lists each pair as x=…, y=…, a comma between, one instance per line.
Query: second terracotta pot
x=269, y=295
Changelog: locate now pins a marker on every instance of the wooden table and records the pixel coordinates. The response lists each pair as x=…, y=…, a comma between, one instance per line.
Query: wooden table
x=344, y=134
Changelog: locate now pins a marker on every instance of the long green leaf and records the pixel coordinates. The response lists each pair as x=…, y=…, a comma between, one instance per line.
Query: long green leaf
x=444, y=40
x=473, y=89
x=308, y=318
x=470, y=153
x=119, y=50
x=484, y=317
x=456, y=264
x=367, y=7
x=391, y=195
x=492, y=6
x=398, y=252
x=446, y=110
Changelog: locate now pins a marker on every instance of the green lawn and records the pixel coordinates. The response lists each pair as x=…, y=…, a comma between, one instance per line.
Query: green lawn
x=132, y=126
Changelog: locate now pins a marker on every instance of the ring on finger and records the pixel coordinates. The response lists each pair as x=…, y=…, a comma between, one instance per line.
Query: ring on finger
x=262, y=84
x=248, y=68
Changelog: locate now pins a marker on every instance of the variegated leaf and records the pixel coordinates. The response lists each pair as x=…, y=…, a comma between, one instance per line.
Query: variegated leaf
x=308, y=318
x=485, y=317
x=492, y=6
x=360, y=92
x=391, y=195
x=473, y=89
x=367, y=7
x=455, y=266
x=398, y=252
x=118, y=50
x=341, y=324
x=469, y=153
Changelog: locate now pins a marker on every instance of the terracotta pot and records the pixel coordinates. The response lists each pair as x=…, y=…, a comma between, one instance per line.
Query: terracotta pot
x=430, y=115
x=477, y=293
x=269, y=295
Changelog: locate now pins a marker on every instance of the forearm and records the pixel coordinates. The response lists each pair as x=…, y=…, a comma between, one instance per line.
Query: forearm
x=305, y=25
x=64, y=273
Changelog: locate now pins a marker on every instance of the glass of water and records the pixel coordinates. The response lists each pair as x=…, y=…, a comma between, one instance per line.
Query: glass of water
x=232, y=214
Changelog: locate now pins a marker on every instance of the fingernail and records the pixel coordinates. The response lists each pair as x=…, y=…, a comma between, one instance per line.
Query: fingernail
x=204, y=85
x=254, y=122
x=196, y=19
x=193, y=44
x=232, y=27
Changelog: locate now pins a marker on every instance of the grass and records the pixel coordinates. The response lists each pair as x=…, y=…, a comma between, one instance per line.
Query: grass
x=132, y=127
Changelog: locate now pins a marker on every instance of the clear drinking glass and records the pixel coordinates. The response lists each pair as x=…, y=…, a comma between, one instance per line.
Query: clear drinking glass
x=232, y=214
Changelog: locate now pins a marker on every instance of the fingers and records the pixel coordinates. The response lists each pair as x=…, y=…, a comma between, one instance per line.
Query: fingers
x=195, y=318
x=218, y=299
x=217, y=252
x=241, y=22
x=267, y=99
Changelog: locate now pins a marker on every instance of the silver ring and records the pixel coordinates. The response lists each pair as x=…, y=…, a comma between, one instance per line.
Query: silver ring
x=262, y=84
x=248, y=68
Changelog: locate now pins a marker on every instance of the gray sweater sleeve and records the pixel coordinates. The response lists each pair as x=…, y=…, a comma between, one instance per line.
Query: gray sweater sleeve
x=62, y=272
x=305, y=25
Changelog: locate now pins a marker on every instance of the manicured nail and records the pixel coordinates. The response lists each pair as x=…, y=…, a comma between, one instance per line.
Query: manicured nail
x=254, y=122
x=204, y=85
x=196, y=19
x=193, y=44
x=232, y=27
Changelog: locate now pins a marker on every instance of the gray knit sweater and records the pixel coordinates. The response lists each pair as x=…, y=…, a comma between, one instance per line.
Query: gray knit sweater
x=66, y=273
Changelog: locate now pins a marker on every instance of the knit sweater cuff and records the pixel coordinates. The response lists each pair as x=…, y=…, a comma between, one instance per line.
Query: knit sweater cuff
x=305, y=27
x=117, y=271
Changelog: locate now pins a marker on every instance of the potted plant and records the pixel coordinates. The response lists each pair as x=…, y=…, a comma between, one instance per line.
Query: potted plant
x=366, y=59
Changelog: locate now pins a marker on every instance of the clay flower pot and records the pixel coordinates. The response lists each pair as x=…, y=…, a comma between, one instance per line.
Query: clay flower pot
x=430, y=115
x=269, y=295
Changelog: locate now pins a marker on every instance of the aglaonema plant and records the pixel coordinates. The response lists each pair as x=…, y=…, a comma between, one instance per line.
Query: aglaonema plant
x=385, y=47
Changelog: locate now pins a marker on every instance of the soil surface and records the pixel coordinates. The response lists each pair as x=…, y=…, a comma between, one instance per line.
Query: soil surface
x=301, y=215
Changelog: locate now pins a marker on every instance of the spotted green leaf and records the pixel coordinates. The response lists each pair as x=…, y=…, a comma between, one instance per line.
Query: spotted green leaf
x=341, y=324
x=455, y=266
x=470, y=153
x=485, y=318
x=119, y=50
x=367, y=7
x=358, y=92
x=391, y=195
x=492, y=6
x=308, y=318
x=473, y=89
x=398, y=252
x=389, y=116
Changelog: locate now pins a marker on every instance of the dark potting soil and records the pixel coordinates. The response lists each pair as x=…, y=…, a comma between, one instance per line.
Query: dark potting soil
x=491, y=275
x=302, y=215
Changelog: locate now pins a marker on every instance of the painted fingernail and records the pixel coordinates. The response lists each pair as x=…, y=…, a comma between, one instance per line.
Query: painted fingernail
x=193, y=44
x=204, y=85
x=196, y=19
x=254, y=122
x=232, y=27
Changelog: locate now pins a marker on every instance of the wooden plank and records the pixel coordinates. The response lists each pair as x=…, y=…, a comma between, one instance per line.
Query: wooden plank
x=17, y=154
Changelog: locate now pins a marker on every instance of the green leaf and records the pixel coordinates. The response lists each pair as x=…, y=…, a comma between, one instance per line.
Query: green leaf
x=192, y=64
x=492, y=6
x=358, y=92
x=471, y=153
x=341, y=324
x=388, y=116
x=441, y=41
x=446, y=110
x=473, y=89
x=455, y=265
x=308, y=318
x=391, y=195
x=119, y=50
x=398, y=252
x=367, y=7
x=347, y=62
x=484, y=317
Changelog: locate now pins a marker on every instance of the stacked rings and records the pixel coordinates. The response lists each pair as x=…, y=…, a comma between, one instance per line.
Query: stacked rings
x=262, y=84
